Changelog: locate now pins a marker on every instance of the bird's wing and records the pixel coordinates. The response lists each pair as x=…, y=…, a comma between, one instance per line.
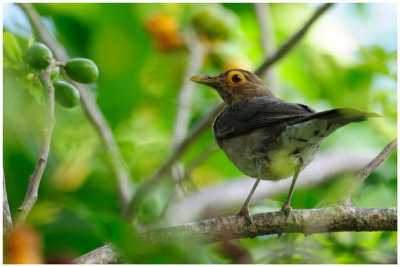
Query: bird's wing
x=250, y=113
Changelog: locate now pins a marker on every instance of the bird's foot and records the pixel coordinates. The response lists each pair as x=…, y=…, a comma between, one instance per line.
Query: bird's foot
x=286, y=209
x=244, y=211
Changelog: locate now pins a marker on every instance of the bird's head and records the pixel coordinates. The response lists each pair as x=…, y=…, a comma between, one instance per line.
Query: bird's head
x=235, y=84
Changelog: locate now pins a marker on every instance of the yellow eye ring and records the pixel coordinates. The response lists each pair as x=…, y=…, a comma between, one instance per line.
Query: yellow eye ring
x=236, y=78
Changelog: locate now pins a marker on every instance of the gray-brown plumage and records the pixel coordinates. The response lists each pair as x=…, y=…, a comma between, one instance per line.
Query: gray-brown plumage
x=265, y=137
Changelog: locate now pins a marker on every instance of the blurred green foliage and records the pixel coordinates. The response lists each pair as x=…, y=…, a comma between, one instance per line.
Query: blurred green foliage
x=140, y=76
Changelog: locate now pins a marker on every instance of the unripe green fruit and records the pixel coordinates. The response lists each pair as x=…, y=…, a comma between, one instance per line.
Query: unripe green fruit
x=82, y=70
x=215, y=22
x=38, y=56
x=54, y=74
x=66, y=94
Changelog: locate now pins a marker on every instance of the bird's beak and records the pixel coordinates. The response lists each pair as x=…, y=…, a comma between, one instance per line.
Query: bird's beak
x=203, y=79
x=215, y=82
x=209, y=80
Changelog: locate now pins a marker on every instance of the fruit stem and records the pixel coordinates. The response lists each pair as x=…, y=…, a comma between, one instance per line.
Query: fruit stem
x=59, y=64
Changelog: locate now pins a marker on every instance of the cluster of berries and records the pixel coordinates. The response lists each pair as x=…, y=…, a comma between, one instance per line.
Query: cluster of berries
x=81, y=70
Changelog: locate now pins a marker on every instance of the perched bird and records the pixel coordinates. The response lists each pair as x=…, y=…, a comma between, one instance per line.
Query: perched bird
x=266, y=137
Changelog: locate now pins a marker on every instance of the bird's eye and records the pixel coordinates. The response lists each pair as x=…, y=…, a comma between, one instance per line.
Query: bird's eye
x=236, y=78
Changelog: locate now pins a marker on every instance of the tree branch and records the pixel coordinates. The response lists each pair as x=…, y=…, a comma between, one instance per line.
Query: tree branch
x=311, y=221
x=7, y=220
x=119, y=167
x=286, y=47
x=103, y=255
x=328, y=220
x=34, y=180
x=368, y=169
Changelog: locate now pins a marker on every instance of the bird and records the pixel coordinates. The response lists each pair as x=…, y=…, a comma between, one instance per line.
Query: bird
x=266, y=137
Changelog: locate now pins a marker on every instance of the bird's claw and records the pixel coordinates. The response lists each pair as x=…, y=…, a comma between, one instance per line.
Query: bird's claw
x=286, y=209
x=244, y=211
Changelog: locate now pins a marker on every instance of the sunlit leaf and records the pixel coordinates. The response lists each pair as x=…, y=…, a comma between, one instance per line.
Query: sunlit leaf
x=8, y=63
x=12, y=48
x=34, y=87
x=31, y=40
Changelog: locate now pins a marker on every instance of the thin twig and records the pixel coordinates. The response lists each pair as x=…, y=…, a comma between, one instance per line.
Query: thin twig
x=34, y=180
x=7, y=220
x=327, y=220
x=185, y=177
x=286, y=47
x=196, y=55
x=268, y=41
x=368, y=169
x=259, y=8
x=119, y=167
x=208, y=151
x=155, y=177
x=195, y=62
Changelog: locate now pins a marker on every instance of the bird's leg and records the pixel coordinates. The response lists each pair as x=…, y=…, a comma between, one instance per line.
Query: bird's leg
x=286, y=206
x=244, y=211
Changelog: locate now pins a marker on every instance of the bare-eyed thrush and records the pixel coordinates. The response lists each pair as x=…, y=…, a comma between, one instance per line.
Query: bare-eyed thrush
x=266, y=137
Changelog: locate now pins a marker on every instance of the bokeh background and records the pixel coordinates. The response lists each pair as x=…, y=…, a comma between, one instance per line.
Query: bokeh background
x=347, y=59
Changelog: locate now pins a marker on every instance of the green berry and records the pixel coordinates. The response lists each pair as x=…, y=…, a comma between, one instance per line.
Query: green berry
x=38, y=56
x=82, y=70
x=54, y=74
x=66, y=94
x=215, y=22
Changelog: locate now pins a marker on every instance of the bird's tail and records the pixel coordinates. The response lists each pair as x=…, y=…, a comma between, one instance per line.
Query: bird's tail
x=343, y=115
x=317, y=126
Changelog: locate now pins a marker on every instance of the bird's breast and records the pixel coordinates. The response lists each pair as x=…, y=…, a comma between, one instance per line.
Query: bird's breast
x=257, y=146
x=279, y=154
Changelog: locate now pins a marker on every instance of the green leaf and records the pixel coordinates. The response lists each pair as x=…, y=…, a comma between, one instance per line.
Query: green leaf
x=12, y=48
x=375, y=58
x=31, y=40
x=34, y=87
x=8, y=63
